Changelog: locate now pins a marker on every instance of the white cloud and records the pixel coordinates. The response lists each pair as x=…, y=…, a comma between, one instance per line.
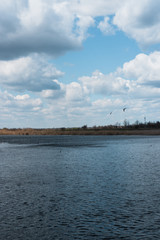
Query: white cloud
x=29, y=73
x=22, y=97
x=140, y=20
x=54, y=94
x=99, y=83
x=98, y=8
x=19, y=102
x=144, y=69
x=74, y=92
x=128, y=86
x=36, y=26
x=106, y=27
x=83, y=23
x=54, y=27
x=135, y=86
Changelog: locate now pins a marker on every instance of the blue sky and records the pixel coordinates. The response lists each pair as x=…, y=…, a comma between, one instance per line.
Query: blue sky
x=101, y=52
x=66, y=63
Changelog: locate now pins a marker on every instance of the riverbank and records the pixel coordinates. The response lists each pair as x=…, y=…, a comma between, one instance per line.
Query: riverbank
x=78, y=131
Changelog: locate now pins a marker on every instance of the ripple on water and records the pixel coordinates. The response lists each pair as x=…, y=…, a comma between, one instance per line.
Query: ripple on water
x=95, y=188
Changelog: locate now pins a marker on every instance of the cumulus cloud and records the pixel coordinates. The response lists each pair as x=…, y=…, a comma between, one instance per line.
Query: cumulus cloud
x=31, y=30
x=144, y=69
x=99, y=83
x=95, y=96
x=29, y=73
x=54, y=27
x=52, y=94
x=36, y=26
x=51, y=27
x=140, y=20
x=138, y=78
x=19, y=102
x=20, y=110
x=72, y=94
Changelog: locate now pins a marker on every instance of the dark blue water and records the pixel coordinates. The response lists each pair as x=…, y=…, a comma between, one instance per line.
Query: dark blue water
x=79, y=187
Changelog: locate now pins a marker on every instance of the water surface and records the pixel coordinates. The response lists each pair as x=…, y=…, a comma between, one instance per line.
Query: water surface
x=79, y=187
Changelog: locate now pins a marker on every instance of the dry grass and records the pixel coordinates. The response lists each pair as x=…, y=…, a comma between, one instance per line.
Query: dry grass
x=89, y=131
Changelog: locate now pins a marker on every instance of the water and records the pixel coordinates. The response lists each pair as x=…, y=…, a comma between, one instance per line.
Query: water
x=79, y=187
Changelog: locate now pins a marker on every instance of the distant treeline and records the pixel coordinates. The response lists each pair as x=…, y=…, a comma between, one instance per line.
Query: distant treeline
x=147, y=128
x=127, y=125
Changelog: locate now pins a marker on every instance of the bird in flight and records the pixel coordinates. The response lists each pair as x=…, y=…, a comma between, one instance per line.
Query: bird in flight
x=124, y=109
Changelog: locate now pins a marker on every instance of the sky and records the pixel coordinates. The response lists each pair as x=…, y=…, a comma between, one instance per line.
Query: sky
x=70, y=63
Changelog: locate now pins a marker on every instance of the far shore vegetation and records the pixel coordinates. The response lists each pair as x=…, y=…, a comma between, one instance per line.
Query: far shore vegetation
x=138, y=128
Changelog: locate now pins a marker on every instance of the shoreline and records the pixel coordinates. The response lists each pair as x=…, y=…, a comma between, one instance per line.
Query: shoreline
x=89, y=131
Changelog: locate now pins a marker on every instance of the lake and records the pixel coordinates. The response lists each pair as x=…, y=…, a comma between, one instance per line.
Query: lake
x=79, y=187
